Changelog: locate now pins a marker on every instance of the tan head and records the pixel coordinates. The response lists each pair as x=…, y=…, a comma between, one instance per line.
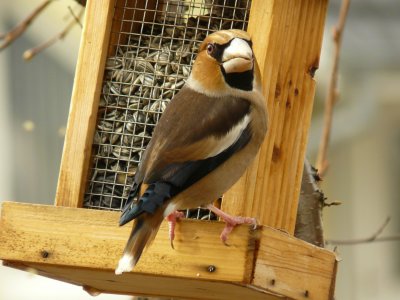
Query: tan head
x=225, y=61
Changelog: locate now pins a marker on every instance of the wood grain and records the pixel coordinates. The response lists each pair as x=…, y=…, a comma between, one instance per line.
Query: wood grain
x=92, y=239
x=84, y=103
x=100, y=281
x=287, y=38
x=83, y=246
x=310, y=270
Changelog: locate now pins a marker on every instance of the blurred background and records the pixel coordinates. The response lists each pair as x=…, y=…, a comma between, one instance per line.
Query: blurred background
x=364, y=156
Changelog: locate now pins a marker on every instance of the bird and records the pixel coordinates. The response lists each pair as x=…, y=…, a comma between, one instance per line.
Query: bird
x=204, y=141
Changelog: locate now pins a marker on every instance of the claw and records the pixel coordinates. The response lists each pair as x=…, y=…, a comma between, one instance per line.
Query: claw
x=172, y=218
x=231, y=222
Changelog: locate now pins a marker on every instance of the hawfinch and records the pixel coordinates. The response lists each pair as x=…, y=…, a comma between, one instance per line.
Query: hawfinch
x=202, y=144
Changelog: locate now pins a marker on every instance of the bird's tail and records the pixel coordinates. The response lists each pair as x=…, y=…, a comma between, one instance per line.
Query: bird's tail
x=143, y=233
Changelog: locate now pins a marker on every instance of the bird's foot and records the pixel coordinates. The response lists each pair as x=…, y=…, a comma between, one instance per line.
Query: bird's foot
x=172, y=218
x=230, y=222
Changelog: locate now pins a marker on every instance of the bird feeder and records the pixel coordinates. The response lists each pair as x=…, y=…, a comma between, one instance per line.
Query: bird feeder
x=134, y=56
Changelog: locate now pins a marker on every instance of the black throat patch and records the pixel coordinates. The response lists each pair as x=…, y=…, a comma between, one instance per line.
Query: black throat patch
x=241, y=81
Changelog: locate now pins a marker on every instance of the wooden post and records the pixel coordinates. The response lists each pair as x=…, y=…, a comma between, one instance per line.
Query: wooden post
x=84, y=103
x=287, y=38
x=106, y=22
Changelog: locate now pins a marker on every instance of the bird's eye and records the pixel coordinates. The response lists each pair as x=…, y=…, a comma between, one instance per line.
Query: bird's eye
x=210, y=48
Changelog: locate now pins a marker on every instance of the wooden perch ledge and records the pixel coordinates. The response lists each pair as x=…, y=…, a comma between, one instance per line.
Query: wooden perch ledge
x=83, y=246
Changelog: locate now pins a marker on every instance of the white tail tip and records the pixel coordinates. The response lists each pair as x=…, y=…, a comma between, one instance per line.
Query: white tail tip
x=125, y=264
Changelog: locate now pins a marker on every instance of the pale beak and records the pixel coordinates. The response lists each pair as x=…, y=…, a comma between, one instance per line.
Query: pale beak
x=237, y=57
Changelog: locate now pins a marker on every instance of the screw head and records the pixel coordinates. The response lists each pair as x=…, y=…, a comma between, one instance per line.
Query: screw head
x=211, y=268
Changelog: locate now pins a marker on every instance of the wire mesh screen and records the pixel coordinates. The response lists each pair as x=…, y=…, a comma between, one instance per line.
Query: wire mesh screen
x=152, y=53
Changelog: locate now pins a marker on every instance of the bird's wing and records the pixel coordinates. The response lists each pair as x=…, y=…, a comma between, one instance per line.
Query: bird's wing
x=193, y=128
x=195, y=135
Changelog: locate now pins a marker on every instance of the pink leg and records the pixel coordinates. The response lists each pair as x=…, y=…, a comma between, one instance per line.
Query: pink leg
x=231, y=221
x=171, y=224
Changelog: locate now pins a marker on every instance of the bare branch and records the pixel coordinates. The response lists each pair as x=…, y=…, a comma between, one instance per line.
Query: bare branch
x=81, y=2
x=29, y=54
x=331, y=98
x=333, y=203
x=14, y=33
x=77, y=19
x=373, y=238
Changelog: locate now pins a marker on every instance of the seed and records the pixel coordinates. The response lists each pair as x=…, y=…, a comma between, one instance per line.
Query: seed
x=139, y=81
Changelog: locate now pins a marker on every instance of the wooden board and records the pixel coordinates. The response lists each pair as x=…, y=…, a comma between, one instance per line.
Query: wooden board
x=311, y=273
x=84, y=103
x=95, y=281
x=287, y=38
x=73, y=243
x=92, y=239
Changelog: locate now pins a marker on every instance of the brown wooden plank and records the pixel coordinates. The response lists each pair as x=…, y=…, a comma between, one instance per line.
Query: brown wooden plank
x=91, y=238
x=287, y=37
x=294, y=268
x=98, y=281
x=84, y=103
x=81, y=239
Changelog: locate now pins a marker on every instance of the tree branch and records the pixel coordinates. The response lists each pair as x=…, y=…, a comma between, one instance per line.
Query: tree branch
x=29, y=54
x=373, y=238
x=309, y=214
x=81, y=2
x=77, y=18
x=14, y=33
x=331, y=98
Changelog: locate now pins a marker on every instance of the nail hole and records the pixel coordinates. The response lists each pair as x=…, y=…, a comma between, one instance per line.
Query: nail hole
x=312, y=71
x=277, y=90
x=44, y=254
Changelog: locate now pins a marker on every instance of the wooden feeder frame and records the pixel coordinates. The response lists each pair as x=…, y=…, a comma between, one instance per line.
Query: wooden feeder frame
x=82, y=246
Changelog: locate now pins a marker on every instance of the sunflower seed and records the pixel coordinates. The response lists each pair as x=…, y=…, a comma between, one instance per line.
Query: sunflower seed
x=139, y=81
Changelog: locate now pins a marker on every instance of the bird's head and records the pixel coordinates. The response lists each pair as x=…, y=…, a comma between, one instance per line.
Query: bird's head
x=225, y=63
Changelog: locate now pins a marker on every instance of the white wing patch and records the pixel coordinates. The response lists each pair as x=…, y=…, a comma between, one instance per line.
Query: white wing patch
x=230, y=138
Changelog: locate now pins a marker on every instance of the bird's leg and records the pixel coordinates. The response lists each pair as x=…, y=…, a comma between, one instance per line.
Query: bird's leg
x=231, y=221
x=171, y=218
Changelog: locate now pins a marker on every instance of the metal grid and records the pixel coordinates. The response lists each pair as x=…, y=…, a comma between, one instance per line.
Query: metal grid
x=154, y=51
